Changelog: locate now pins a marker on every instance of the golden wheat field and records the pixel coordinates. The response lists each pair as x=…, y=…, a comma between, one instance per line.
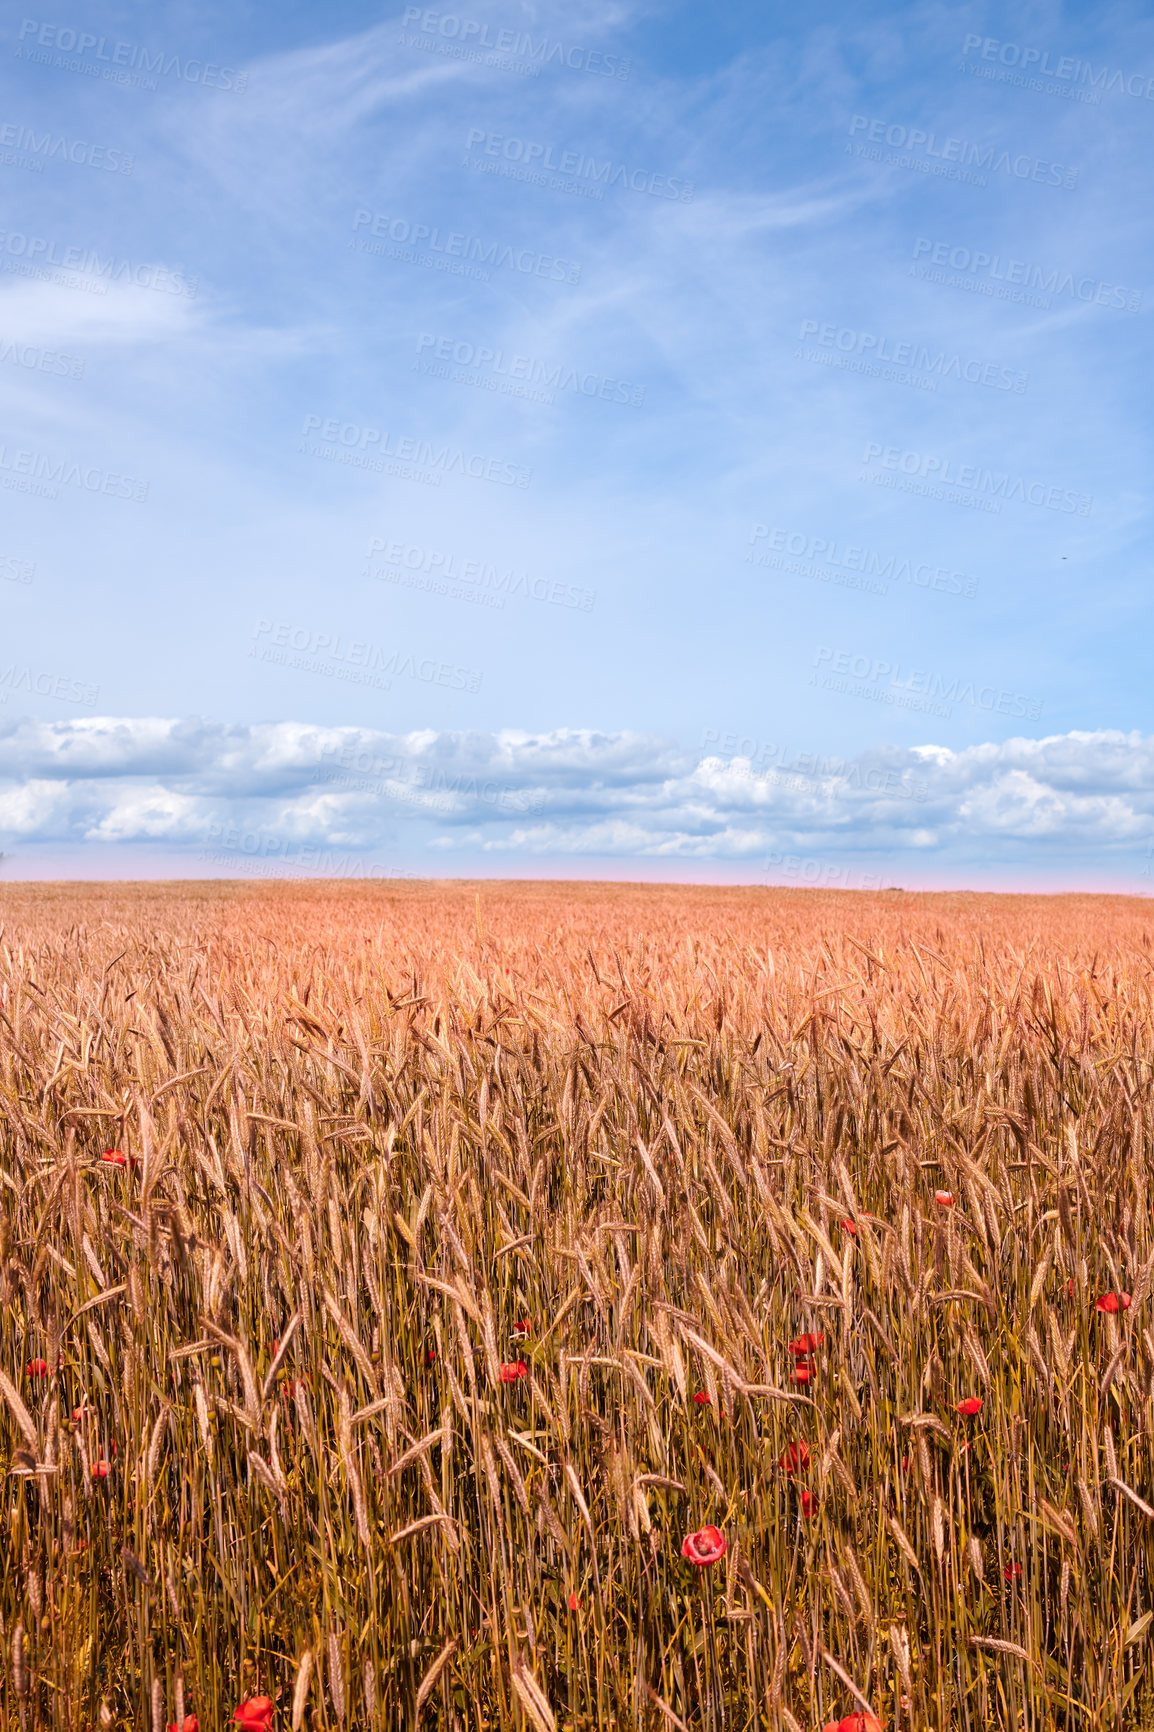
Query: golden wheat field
x=395, y=1277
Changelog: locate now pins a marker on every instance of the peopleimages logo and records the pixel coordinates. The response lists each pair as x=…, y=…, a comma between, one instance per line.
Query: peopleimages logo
x=110, y=59
x=449, y=568
x=962, y=154
x=539, y=160
x=881, y=681
x=1016, y=274
x=806, y=772
x=15, y=678
x=367, y=447
x=38, y=360
x=51, y=146
x=41, y=255
x=322, y=652
x=917, y=355
x=945, y=473
x=823, y=551
x=544, y=377
x=469, y=249
x=1037, y=61
x=473, y=35
x=37, y=473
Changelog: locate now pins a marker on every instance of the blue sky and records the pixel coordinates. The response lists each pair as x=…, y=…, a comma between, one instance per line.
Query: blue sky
x=603, y=440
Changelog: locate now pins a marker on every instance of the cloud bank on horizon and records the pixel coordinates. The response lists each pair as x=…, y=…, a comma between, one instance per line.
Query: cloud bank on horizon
x=299, y=799
x=587, y=438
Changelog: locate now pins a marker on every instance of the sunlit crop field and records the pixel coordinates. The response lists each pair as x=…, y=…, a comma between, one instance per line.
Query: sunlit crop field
x=395, y=1277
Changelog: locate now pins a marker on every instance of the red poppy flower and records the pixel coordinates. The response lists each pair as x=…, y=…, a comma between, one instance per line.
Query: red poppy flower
x=256, y=1714
x=191, y=1724
x=805, y=1345
x=971, y=1405
x=1113, y=1302
x=944, y=1199
x=1070, y=1287
x=701, y=1399
x=114, y=1158
x=797, y=1455
x=574, y=1603
x=521, y=1330
x=430, y=1355
x=510, y=1373
x=848, y=1227
x=79, y=1413
x=905, y=1464
x=37, y=1368
x=806, y=1504
x=100, y=1470
x=854, y=1723
x=802, y=1373
x=705, y=1546
x=1012, y=1572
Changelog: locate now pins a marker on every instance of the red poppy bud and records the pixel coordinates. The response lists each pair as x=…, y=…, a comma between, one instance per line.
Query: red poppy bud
x=971, y=1405
x=574, y=1603
x=797, y=1455
x=705, y=1546
x=1113, y=1302
x=944, y=1199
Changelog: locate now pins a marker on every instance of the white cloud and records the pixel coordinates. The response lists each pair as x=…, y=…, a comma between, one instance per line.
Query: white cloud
x=65, y=315
x=572, y=792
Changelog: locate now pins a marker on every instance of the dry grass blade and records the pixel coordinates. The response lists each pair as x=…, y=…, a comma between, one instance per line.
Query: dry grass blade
x=532, y=1698
x=417, y=1527
x=904, y=1545
x=665, y=1709
x=429, y=1681
x=100, y=1299
x=301, y=1689
x=857, y=1694
x=1129, y=1492
x=20, y=1413
x=415, y=1450
x=996, y=1646
x=286, y=1341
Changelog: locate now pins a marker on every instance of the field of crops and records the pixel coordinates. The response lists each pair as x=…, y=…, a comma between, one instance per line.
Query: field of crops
x=396, y=1277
